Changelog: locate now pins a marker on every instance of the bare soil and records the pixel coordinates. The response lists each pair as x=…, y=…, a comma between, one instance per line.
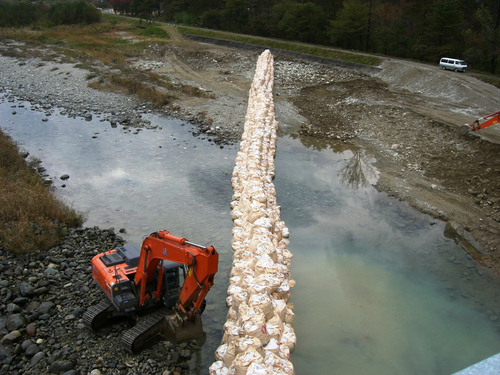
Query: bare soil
x=409, y=116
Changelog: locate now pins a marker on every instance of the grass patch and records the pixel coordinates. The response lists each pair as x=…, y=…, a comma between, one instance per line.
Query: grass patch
x=90, y=76
x=154, y=31
x=117, y=19
x=31, y=217
x=142, y=90
x=287, y=46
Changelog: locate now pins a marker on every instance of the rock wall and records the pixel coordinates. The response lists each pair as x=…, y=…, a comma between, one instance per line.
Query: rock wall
x=258, y=335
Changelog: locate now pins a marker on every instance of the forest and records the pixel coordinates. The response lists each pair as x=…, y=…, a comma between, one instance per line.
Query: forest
x=21, y=13
x=423, y=30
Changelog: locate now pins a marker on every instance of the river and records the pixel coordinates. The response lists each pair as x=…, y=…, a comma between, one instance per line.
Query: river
x=380, y=288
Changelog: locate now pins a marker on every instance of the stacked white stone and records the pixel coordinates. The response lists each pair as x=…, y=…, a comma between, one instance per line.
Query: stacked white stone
x=258, y=335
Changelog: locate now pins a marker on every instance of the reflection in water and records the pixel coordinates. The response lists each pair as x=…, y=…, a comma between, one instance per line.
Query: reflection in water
x=358, y=172
x=212, y=183
x=472, y=250
x=379, y=289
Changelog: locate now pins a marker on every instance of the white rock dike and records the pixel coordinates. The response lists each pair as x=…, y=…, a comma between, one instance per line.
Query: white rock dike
x=258, y=336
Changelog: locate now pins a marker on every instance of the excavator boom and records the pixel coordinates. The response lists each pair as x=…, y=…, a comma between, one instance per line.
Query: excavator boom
x=202, y=265
x=145, y=283
x=485, y=121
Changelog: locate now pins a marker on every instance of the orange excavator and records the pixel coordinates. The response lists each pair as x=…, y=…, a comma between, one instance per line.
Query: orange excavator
x=161, y=285
x=485, y=121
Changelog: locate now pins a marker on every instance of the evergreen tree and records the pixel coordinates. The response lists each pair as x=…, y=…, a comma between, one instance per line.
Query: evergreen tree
x=304, y=23
x=350, y=26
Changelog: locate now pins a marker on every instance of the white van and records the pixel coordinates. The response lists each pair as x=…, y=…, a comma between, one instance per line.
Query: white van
x=453, y=64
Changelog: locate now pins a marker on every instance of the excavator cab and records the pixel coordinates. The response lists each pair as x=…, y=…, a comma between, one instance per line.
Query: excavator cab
x=116, y=280
x=173, y=279
x=161, y=285
x=120, y=266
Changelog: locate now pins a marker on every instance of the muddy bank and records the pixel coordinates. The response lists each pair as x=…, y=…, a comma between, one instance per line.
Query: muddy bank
x=407, y=115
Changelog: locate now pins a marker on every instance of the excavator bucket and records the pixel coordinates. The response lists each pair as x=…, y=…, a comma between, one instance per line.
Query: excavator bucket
x=177, y=331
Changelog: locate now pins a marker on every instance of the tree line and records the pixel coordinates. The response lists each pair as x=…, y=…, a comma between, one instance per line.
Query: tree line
x=424, y=30
x=19, y=14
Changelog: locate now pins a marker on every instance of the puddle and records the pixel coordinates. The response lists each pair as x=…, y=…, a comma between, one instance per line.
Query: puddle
x=379, y=288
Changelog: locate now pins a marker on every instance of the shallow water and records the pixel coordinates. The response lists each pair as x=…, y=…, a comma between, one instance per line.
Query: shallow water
x=379, y=288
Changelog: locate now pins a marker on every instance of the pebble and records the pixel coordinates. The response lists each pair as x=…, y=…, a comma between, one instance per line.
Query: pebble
x=73, y=98
x=44, y=331
x=43, y=294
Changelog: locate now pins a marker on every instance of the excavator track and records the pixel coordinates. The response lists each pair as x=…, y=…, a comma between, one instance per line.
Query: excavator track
x=97, y=316
x=146, y=332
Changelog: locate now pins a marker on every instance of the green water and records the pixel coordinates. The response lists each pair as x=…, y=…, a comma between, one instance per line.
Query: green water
x=379, y=288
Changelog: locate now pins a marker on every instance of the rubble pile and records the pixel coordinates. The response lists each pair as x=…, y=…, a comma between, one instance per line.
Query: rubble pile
x=258, y=335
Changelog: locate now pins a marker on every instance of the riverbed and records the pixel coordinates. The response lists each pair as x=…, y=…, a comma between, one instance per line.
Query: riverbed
x=380, y=288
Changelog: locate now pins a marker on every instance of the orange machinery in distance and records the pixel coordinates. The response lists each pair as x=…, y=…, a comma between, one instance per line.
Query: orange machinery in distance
x=485, y=121
x=161, y=284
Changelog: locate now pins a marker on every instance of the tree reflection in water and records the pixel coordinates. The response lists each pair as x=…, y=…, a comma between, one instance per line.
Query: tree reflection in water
x=358, y=172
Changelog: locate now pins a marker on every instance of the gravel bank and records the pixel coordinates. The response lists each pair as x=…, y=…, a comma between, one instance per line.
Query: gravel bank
x=56, y=84
x=43, y=295
x=51, y=84
x=42, y=300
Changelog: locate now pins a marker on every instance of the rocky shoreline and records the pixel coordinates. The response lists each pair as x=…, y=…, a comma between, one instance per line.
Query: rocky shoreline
x=59, y=85
x=42, y=300
x=43, y=295
x=397, y=122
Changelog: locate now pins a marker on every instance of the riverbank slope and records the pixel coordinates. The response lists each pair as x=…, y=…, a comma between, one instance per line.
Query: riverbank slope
x=406, y=115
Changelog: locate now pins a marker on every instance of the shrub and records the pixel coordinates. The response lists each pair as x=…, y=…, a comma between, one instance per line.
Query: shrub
x=68, y=13
x=63, y=13
x=154, y=31
x=19, y=14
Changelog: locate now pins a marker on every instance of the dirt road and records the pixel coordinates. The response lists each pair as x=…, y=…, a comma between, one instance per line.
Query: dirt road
x=408, y=116
x=404, y=114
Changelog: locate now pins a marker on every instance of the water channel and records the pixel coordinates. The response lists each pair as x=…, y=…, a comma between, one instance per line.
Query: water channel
x=380, y=288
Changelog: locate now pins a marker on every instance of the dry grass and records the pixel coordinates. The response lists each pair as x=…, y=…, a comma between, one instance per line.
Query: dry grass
x=134, y=86
x=114, y=45
x=31, y=217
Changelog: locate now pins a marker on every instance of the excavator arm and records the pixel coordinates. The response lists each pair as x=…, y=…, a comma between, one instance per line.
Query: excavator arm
x=201, y=265
x=142, y=282
x=485, y=121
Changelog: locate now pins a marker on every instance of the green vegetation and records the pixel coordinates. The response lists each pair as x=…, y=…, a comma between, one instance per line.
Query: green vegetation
x=293, y=47
x=71, y=13
x=154, y=31
x=30, y=215
x=423, y=30
x=18, y=14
